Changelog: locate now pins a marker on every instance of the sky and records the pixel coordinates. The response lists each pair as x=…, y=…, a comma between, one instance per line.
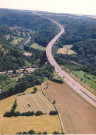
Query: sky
x=59, y=6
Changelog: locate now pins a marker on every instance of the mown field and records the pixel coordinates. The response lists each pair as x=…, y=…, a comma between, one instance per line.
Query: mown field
x=36, y=46
x=77, y=115
x=66, y=50
x=34, y=102
x=13, y=125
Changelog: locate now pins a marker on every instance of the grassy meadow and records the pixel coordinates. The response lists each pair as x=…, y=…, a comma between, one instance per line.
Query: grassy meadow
x=66, y=50
x=36, y=46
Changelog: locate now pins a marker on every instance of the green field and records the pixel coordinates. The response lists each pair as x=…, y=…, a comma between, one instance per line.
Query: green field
x=36, y=46
x=88, y=78
x=0, y=45
x=66, y=50
x=16, y=40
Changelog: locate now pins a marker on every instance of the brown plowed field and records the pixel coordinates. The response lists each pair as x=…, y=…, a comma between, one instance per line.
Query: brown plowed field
x=77, y=115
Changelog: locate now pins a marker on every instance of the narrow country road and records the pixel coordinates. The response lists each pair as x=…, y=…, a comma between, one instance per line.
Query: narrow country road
x=75, y=85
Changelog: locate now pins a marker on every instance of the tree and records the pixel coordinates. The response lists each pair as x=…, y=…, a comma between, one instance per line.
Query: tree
x=55, y=132
x=54, y=102
x=31, y=132
x=38, y=113
x=44, y=132
x=25, y=132
x=35, y=89
x=16, y=114
x=53, y=113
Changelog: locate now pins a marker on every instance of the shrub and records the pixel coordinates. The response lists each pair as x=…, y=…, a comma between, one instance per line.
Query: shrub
x=25, y=132
x=27, y=114
x=16, y=114
x=35, y=89
x=39, y=133
x=44, y=132
x=55, y=132
x=31, y=132
x=38, y=113
x=53, y=113
x=58, y=81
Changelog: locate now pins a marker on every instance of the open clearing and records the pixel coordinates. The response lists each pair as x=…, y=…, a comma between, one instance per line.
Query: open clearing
x=66, y=50
x=34, y=102
x=0, y=45
x=77, y=115
x=16, y=40
x=13, y=125
x=27, y=54
x=36, y=46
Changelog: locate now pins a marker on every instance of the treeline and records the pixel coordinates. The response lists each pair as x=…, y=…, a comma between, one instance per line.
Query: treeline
x=35, y=78
x=33, y=132
x=13, y=113
x=38, y=113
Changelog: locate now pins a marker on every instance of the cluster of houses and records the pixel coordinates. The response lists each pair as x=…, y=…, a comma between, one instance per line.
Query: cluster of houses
x=23, y=71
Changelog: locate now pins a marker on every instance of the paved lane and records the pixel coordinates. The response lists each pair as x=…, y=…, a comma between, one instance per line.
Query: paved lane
x=75, y=85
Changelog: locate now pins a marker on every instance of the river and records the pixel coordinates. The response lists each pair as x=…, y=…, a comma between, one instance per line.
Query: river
x=27, y=41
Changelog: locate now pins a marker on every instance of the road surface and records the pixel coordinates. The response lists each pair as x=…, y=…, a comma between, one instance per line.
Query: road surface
x=75, y=85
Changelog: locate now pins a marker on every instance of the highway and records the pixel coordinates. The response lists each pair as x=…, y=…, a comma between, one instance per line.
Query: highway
x=75, y=85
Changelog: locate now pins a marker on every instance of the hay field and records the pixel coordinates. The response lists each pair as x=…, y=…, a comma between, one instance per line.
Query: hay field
x=13, y=125
x=34, y=102
x=77, y=115
x=38, y=123
x=66, y=50
x=36, y=46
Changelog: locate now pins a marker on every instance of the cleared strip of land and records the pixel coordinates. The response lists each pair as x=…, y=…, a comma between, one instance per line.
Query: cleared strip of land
x=77, y=115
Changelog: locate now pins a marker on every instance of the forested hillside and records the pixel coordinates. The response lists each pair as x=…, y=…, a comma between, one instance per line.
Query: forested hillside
x=80, y=32
x=14, y=28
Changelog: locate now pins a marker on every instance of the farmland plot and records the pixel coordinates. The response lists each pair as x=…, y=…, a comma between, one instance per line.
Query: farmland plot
x=34, y=102
x=78, y=116
x=12, y=125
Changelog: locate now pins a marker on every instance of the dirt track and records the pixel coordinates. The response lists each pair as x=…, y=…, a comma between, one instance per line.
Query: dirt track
x=77, y=115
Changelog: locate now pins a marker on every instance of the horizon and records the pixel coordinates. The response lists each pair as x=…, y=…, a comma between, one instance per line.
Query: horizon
x=80, y=7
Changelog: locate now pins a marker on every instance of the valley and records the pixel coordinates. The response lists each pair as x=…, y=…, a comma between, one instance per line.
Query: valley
x=47, y=73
